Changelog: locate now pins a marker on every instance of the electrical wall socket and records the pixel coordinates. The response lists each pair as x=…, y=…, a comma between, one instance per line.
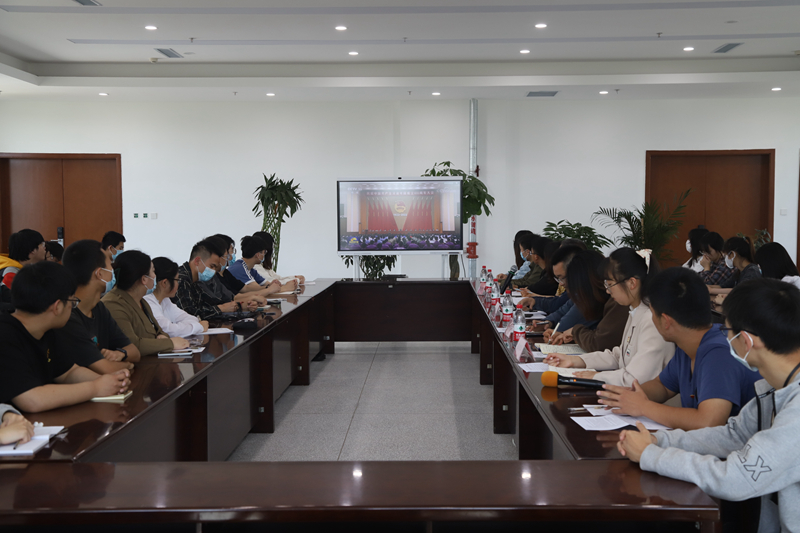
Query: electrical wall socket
x=154, y=215
x=784, y=212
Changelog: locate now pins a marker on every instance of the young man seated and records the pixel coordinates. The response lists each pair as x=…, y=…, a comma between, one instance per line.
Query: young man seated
x=715, y=272
x=92, y=337
x=232, y=283
x=254, y=250
x=33, y=376
x=755, y=454
x=113, y=244
x=25, y=247
x=712, y=385
x=53, y=251
x=288, y=283
x=193, y=295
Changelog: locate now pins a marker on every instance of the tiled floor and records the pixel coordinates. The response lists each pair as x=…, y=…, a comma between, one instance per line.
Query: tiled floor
x=382, y=402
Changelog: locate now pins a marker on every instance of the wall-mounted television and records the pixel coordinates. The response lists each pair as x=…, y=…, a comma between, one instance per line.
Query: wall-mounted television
x=387, y=217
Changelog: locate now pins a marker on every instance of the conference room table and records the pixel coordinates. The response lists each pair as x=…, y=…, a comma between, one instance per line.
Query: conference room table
x=151, y=458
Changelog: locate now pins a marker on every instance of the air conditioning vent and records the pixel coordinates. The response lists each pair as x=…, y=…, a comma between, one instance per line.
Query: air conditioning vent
x=534, y=94
x=169, y=52
x=88, y=3
x=725, y=48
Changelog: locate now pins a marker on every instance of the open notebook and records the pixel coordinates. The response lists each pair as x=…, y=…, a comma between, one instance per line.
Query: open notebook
x=41, y=436
x=567, y=349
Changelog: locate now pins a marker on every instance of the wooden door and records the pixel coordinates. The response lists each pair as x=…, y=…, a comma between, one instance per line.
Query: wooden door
x=92, y=199
x=36, y=196
x=732, y=191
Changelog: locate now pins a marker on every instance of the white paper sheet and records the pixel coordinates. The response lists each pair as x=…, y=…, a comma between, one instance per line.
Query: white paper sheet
x=612, y=422
x=534, y=367
x=217, y=331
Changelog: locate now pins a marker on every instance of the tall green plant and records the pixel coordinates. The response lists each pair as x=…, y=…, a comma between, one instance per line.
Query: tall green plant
x=648, y=227
x=276, y=200
x=371, y=265
x=564, y=229
x=475, y=197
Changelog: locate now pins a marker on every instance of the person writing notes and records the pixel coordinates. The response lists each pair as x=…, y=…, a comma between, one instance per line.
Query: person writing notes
x=643, y=353
x=711, y=384
x=13, y=426
x=755, y=454
x=173, y=320
x=136, y=277
x=32, y=376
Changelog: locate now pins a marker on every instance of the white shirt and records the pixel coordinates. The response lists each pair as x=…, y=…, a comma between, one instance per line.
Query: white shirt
x=794, y=280
x=173, y=320
x=694, y=265
x=271, y=275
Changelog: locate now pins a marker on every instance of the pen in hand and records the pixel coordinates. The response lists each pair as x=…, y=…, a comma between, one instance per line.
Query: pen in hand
x=555, y=330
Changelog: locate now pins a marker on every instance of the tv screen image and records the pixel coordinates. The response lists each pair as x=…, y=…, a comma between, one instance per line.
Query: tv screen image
x=399, y=216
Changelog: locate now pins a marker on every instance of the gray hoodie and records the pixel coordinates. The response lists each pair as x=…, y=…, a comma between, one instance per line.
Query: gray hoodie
x=5, y=408
x=760, y=461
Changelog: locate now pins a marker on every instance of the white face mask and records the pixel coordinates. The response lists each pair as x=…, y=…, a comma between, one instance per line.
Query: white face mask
x=742, y=360
x=729, y=260
x=688, y=246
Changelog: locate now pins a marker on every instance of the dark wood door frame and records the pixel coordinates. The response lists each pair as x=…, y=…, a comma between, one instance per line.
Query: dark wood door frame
x=770, y=153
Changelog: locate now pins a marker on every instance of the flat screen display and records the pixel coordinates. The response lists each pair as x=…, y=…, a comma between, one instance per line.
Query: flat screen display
x=385, y=217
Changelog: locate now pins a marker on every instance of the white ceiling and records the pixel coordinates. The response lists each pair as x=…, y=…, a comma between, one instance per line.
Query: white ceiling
x=58, y=49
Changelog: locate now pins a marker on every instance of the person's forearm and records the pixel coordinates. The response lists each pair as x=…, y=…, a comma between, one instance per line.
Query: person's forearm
x=104, y=366
x=77, y=374
x=685, y=418
x=49, y=397
x=251, y=287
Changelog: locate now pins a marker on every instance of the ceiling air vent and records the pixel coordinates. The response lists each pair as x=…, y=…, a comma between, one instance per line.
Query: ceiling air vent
x=541, y=93
x=725, y=48
x=169, y=52
x=88, y=3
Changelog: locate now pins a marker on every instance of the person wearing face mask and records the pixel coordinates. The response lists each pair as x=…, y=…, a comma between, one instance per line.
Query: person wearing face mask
x=643, y=353
x=521, y=265
x=737, y=252
x=254, y=251
x=174, y=321
x=694, y=247
x=136, y=278
x=711, y=384
x=235, y=285
x=543, y=257
x=113, y=244
x=715, y=271
x=755, y=453
x=288, y=283
x=531, y=247
x=92, y=338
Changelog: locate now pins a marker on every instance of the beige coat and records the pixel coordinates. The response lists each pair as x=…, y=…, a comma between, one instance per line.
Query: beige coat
x=137, y=322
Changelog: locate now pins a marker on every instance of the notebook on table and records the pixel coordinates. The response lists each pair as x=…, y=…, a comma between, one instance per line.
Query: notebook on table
x=41, y=436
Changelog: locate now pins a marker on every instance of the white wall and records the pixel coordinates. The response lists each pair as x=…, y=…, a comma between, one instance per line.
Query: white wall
x=197, y=164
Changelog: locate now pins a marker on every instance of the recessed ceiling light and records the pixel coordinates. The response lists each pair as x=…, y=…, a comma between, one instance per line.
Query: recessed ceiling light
x=603, y=92
x=151, y=28
x=103, y=94
x=270, y=94
x=731, y=22
x=436, y=94
x=776, y=88
x=541, y=26
x=353, y=53
x=524, y=51
x=341, y=28
x=688, y=49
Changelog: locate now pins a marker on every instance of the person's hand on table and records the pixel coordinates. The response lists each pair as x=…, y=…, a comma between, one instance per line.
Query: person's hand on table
x=564, y=361
x=567, y=336
x=524, y=292
x=290, y=286
x=274, y=286
x=204, y=323
x=586, y=374
x=527, y=303
x=252, y=305
x=629, y=400
x=179, y=343
x=301, y=279
x=111, y=384
x=719, y=299
x=11, y=418
x=112, y=355
x=632, y=443
x=228, y=307
x=20, y=430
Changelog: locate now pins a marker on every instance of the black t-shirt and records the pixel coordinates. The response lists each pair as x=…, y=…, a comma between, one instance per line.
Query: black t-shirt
x=230, y=281
x=81, y=340
x=26, y=363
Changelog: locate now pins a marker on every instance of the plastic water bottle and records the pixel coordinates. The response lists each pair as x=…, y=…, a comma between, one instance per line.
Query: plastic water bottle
x=519, y=324
x=508, y=307
x=484, y=274
x=495, y=293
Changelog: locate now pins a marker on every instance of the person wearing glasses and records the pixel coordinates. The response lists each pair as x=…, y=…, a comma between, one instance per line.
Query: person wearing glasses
x=173, y=320
x=33, y=377
x=755, y=454
x=643, y=353
x=711, y=384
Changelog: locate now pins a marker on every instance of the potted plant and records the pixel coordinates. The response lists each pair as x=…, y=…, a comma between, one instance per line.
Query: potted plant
x=372, y=266
x=648, y=227
x=564, y=229
x=276, y=200
x=475, y=200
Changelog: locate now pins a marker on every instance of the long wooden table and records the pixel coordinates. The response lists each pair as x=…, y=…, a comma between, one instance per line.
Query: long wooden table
x=151, y=459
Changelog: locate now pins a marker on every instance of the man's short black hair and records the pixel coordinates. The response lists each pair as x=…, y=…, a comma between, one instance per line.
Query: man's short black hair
x=38, y=286
x=82, y=258
x=251, y=246
x=526, y=240
x=219, y=245
x=55, y=249
x=711, y=241
x=112, y=238
x=229, y=241
x=205, y=249
x=564, y=255
x=680, y=293
x=22, y=243
x=765, y=307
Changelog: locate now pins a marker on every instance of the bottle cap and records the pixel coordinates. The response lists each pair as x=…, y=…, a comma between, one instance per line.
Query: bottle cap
x=508, y=291
x=519, y=306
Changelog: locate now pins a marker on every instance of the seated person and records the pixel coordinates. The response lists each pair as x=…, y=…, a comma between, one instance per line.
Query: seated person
x=194, y=296
x=532, y=247
x=694, y=247
x=712, y=385
x=113, y=244
x=234, y=285
x=738, y=254
x=521, y=265
x=14, y=427
x=173, y=321
x=715, y=271
x=53, y=251
x=643, y=353
x=216, y=289
x=32, y=376
x=136, y=278
x=265, y=268
x=592, y=300
x=547, y=284
x=92, y=337
x=25, y=247
x=755, y=454
x=254, y=251
x=776, y=263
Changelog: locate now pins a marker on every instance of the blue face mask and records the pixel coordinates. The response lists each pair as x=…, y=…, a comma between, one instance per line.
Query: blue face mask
x=742, y=360
x=522, y=255
x=233, y=258
x=115, y=255
x=150, y=291
x=110, y=284
x=206, y=274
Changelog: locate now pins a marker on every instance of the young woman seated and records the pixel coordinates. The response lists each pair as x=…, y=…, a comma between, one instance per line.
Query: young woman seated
x=738, y=254
x=776, y=263
x=694, y=247
x=547, y=284
x=521, y=265
x=173, y=320
x=643, y=353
